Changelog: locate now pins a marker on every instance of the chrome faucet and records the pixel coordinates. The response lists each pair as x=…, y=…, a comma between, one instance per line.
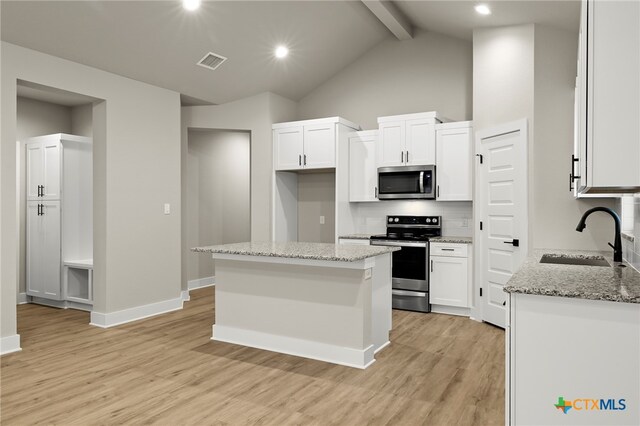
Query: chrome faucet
x=617, y=246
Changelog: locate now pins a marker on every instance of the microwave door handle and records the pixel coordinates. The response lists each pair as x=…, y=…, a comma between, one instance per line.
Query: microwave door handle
x=422, y=182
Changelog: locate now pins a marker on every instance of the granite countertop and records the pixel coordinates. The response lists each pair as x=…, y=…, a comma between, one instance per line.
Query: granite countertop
x=612, y=283
x=357, y=236
x=456, y=240
x=299, y=250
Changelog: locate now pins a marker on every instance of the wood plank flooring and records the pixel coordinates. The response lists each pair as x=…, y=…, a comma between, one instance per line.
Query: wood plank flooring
x=438, y=370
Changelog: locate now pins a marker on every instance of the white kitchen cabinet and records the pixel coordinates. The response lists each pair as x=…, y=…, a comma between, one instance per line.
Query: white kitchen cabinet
x=407, y=140
x=454, y=166
x=606, y=151
x=308, y=144
x=354, y=241
x=363, y=172
x=43, y=170
x=449, y=278
x=59, y=210
x=559, y=347
x=43, y=249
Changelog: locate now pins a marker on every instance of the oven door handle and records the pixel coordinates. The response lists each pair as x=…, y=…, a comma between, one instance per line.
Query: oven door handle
x=407, y=293
x=422, y=182
x=396, y=244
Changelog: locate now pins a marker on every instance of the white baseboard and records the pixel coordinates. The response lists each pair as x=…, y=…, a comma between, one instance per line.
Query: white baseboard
x=10, y=344
x=124, y=316
x=450, y=310
x=184, y=294
x=22, y=298
x=292, y=346
x=201, y=282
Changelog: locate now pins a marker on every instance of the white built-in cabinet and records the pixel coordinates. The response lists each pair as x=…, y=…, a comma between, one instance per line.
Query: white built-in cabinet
x=453, y=161
x=606, y=149
x=311, y=145
x=59, y=223
x=363, y=172
x=450, y=278
x=407, y=140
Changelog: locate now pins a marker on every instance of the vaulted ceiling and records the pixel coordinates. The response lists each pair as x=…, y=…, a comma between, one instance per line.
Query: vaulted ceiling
x=159, y=42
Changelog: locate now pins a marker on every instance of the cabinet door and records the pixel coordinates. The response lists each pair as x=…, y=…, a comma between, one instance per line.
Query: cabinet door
x=319, y=146
x=35, y=286
x=363, y=174
x=50, y=250
x=453, y=165
x=448, y=281
x=420, y=146
x=391, y=145
x=288, y=148
x=51, y=170
x=35, y=166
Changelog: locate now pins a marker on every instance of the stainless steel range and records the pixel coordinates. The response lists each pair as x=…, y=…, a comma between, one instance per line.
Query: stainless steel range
x=410, y=269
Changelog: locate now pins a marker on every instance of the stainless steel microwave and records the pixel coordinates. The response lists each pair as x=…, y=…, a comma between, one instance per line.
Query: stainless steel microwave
x=407, y=183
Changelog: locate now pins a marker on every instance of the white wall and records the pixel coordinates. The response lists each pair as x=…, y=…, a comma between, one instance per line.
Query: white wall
x=555, y=211
x=218, y=194
x=429, y=72
x=316, y=197
x=136, y=169
x=82, y=120
x=255, y=114
x=34, y=118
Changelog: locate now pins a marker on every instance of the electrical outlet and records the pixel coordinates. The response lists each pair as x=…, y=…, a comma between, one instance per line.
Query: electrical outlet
x=321, y=220
x=167, y=208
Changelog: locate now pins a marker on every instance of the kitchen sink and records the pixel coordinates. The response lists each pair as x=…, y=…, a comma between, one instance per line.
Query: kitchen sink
x=566, y=260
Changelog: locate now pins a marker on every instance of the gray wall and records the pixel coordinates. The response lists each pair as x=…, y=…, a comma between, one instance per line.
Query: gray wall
x=316, y=197
x=34, y=118
x=136, y=168
x=429, y=72
x=218, y=194
x=82, y=120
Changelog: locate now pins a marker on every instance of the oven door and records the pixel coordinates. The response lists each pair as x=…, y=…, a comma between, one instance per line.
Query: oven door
x=410, y=265
x=406, y=182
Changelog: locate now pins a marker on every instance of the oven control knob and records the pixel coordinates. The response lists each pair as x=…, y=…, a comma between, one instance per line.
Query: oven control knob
x=396, y=220
x=428, y=220
x=435, y=220
x=390, y=219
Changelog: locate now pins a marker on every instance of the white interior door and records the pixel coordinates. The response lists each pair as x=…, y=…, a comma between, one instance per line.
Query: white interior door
x=502, y=181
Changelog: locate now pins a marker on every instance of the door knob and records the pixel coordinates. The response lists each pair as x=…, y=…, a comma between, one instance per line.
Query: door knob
x=515, y=242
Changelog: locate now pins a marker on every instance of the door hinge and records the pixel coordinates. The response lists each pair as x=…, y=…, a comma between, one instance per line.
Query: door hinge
x=480, y=291
x=480, y=155
x=481, y=225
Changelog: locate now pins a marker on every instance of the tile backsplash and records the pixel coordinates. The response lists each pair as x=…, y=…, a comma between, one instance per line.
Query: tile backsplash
x=631, y=249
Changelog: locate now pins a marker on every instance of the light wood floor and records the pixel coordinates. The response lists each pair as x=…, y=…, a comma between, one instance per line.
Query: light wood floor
x=439, y=370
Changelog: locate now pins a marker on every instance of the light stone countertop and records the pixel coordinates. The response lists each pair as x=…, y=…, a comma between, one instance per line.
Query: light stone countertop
x=299, y=250
x=612, y=283
x=453, y=240
x=357, y=236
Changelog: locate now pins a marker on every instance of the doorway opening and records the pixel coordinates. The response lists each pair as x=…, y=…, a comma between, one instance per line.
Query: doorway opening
x=54, y=155
x=218, y=195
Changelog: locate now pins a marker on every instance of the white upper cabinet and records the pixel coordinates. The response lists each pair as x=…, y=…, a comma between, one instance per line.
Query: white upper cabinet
x=454, y=164
x=43, y=169
x=607, y=151
x=288, y=148
x=309, y=144
x=363, y=172
x=407, y=140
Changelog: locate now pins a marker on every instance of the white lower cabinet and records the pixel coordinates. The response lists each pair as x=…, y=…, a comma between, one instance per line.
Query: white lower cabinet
x=449, y=278
x=43, y=256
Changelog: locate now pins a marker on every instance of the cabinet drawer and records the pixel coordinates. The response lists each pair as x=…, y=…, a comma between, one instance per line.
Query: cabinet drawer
x=355, y=241
x=448, y=249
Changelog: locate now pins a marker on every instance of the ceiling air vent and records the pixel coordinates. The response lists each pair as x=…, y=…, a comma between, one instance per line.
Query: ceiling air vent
x=211, y=61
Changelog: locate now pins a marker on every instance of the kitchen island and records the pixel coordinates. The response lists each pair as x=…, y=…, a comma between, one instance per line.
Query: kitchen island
x=573, y=341
x=322, y=301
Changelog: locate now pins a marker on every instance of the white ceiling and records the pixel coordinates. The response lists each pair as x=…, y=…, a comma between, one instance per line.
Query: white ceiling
x=159, y=43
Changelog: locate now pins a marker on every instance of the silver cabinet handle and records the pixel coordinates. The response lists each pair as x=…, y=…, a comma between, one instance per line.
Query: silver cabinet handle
x=407, y=157
x=375, y=192
x=421, y=180
x=299, y=160
x=438, y=191
x=305, y=159
x=432, y=266
x=402, y=156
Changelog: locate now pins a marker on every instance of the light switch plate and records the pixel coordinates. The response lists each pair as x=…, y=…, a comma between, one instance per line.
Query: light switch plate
x=167, y=208
x=321, y=220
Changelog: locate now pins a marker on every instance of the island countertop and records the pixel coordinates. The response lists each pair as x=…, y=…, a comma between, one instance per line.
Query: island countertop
x=612, y=283
x=300, y=250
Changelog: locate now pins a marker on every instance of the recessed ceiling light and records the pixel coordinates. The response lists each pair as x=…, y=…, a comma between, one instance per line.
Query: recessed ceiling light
x=483, y=9
x=191, y=4
x=281, y=52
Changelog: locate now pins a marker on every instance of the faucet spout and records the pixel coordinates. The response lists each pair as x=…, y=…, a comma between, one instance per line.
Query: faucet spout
x=617, y=245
